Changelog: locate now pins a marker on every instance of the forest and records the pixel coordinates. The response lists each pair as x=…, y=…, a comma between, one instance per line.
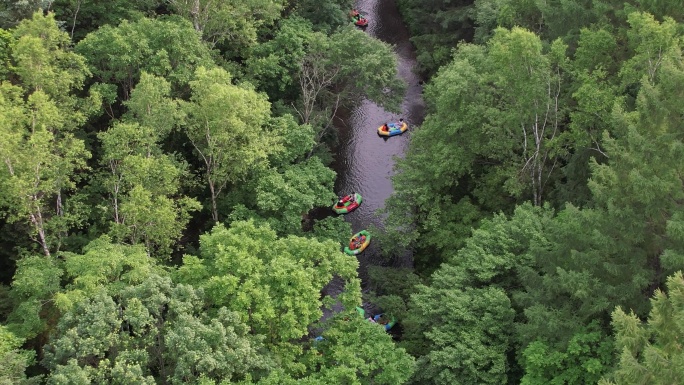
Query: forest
x=161, y=160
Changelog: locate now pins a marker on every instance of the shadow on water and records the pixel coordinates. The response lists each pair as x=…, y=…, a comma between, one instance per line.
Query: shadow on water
x=364, y=160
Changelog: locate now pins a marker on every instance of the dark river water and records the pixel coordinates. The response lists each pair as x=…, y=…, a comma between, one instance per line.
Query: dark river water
x=364, y=160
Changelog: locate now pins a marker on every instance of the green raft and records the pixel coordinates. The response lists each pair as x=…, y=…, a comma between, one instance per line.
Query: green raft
x=348, y=203
x=358, y=243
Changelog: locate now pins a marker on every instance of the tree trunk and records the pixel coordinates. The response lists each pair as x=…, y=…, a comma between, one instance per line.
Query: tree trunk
x=214, y=209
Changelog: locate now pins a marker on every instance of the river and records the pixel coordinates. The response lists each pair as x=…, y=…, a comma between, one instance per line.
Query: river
x=365, y=161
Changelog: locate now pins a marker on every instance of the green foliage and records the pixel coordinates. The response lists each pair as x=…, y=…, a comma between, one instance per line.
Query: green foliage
x=654, y=45
x=233, y=25
x=651, y=353
x=14, y=361
x=465, y=312
x=436, y=29
x=596, y=259
x=44, y=62
x=82, y=17
x=368, y=70
x=274, y=283
x=13, y=12
x=230, y=142
x=391, y=289
x=552, y=20
x=42, y=157
x=284, y=197
x=325, y=16
x=168, y=47
x=6, y=42
x=332, y=75
x=297, y=141
x=143, y=183
x=274, y=64
x=151, y=106
x=489, y=141
x=103, y=264
x=359, y=352
x=151, y=326
x=467, y=332
x=587, y=357
x=36, y=281
x=215, y=349
x=335, y=228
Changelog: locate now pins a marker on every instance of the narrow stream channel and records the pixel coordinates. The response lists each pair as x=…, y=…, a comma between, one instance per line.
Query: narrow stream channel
x=365, y=161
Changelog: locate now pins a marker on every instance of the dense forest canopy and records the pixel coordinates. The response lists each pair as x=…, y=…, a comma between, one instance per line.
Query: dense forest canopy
x=160, y=159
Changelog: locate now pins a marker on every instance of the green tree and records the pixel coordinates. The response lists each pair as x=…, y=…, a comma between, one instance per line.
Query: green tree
x=152, y=327
x=325, y=16
x=650, y=353
x=231, y=24
x=361, y=352
x=13, y=360
x=436, y=29
x=487, y=142
x=274, y=283
x=611, y=254
x=653, y=43
x=6, y=41
x=226, y=125
x=82, y=17
x=274, y=64
x=143, y=183
x=460, y=324
x=13, y=12
x=332, y=74
x=468, y=333
x=41, y=154
x=587, y=357
x=167, y=47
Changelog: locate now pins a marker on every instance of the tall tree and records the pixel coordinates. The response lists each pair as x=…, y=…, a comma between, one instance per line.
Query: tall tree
x=226, y=125
x=332, y=74
x=143, y=183
x=294, y=183
x=650, y=353
x=166, y=47
x=81, y=17
x=487, y=142
x=13, y=360
x=623, y=247
x=41, y=154
x=274, y=283
x=231, y=24
x=460, y=324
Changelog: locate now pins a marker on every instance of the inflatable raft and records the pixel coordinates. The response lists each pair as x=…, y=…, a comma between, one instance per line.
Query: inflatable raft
x=392, y=129
x=358, y=243
x=348, y=203
x=358, y=19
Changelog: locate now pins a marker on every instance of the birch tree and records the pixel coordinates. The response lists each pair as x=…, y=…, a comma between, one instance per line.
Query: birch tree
x=225, y=124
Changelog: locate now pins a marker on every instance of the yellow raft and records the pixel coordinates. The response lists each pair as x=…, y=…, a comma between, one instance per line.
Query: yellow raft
x=392, y=129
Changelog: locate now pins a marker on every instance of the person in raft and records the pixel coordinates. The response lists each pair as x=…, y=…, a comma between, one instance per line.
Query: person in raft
x=357, y=241
x=354, y=13
x=385, y=127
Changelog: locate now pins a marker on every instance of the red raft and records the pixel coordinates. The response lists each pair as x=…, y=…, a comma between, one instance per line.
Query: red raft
x=358, y=19
x=348, y=203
